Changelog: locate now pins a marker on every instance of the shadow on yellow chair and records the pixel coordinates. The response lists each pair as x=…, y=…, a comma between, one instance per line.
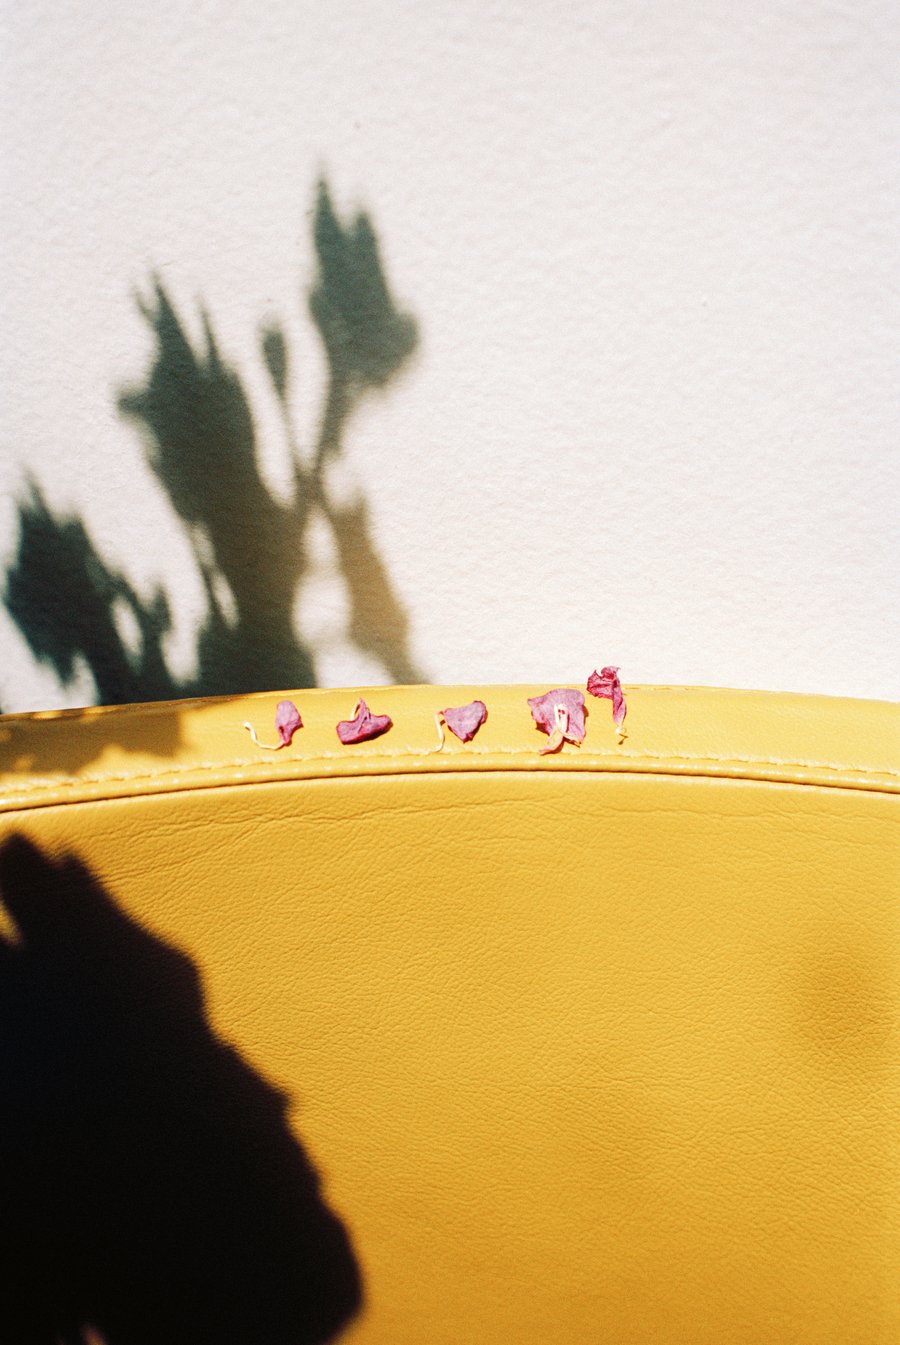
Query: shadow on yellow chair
x=152, y=1189
x=591, y=1048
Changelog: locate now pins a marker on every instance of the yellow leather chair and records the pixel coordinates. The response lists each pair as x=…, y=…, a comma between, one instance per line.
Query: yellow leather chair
x=593, y=1048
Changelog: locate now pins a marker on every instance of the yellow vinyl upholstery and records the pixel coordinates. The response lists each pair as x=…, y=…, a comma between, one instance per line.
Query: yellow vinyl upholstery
x=594, y=1048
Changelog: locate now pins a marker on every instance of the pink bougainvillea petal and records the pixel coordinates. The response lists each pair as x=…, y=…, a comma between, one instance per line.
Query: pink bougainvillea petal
x=363, y=725
x=544, y=713
x=287, y=721
x=466, y=720
x=606, y=685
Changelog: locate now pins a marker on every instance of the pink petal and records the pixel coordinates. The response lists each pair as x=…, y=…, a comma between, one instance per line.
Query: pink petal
x=363, y=725
x=543, y=711
x=607, y=686
x=466, y=720
x=287, y=721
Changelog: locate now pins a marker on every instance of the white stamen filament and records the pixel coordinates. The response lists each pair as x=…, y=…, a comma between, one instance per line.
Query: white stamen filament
x=268, y=747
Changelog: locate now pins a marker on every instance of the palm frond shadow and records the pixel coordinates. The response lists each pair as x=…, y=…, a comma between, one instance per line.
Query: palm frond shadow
x=251, y=550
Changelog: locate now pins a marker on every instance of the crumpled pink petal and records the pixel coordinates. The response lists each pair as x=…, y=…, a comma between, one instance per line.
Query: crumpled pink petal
x=363, y=725
x=606, y=685
x=466, y=720
x=287, y=721
x=559, y=713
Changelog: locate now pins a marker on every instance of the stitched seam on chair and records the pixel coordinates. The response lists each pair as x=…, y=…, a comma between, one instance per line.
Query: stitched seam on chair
x=592, y=759
x=412, y=758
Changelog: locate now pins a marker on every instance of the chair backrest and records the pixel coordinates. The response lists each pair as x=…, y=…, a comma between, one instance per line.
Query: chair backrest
x=597, y=1047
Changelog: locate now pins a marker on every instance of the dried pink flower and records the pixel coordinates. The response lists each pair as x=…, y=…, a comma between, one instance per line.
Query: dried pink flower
x=287, y=722
x=607, y=686
x=466, y=720
x=560, y=714
x=363, y=725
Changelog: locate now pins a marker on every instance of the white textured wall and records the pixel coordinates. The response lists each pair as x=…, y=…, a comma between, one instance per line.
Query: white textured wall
x=651, y=250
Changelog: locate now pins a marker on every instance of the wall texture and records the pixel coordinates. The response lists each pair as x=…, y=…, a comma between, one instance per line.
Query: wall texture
x=606, y=373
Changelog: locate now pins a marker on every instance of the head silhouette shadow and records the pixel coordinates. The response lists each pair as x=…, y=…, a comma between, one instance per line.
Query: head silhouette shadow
x=151, y=1189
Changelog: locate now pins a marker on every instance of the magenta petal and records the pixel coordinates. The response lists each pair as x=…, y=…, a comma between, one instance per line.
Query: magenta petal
x=606, y=685
x=287, y=721
x=543, y=710
x=466, y=720
x=364, y=725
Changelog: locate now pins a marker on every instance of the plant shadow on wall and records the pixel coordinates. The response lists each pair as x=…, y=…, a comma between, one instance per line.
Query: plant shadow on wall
x=250, y=549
